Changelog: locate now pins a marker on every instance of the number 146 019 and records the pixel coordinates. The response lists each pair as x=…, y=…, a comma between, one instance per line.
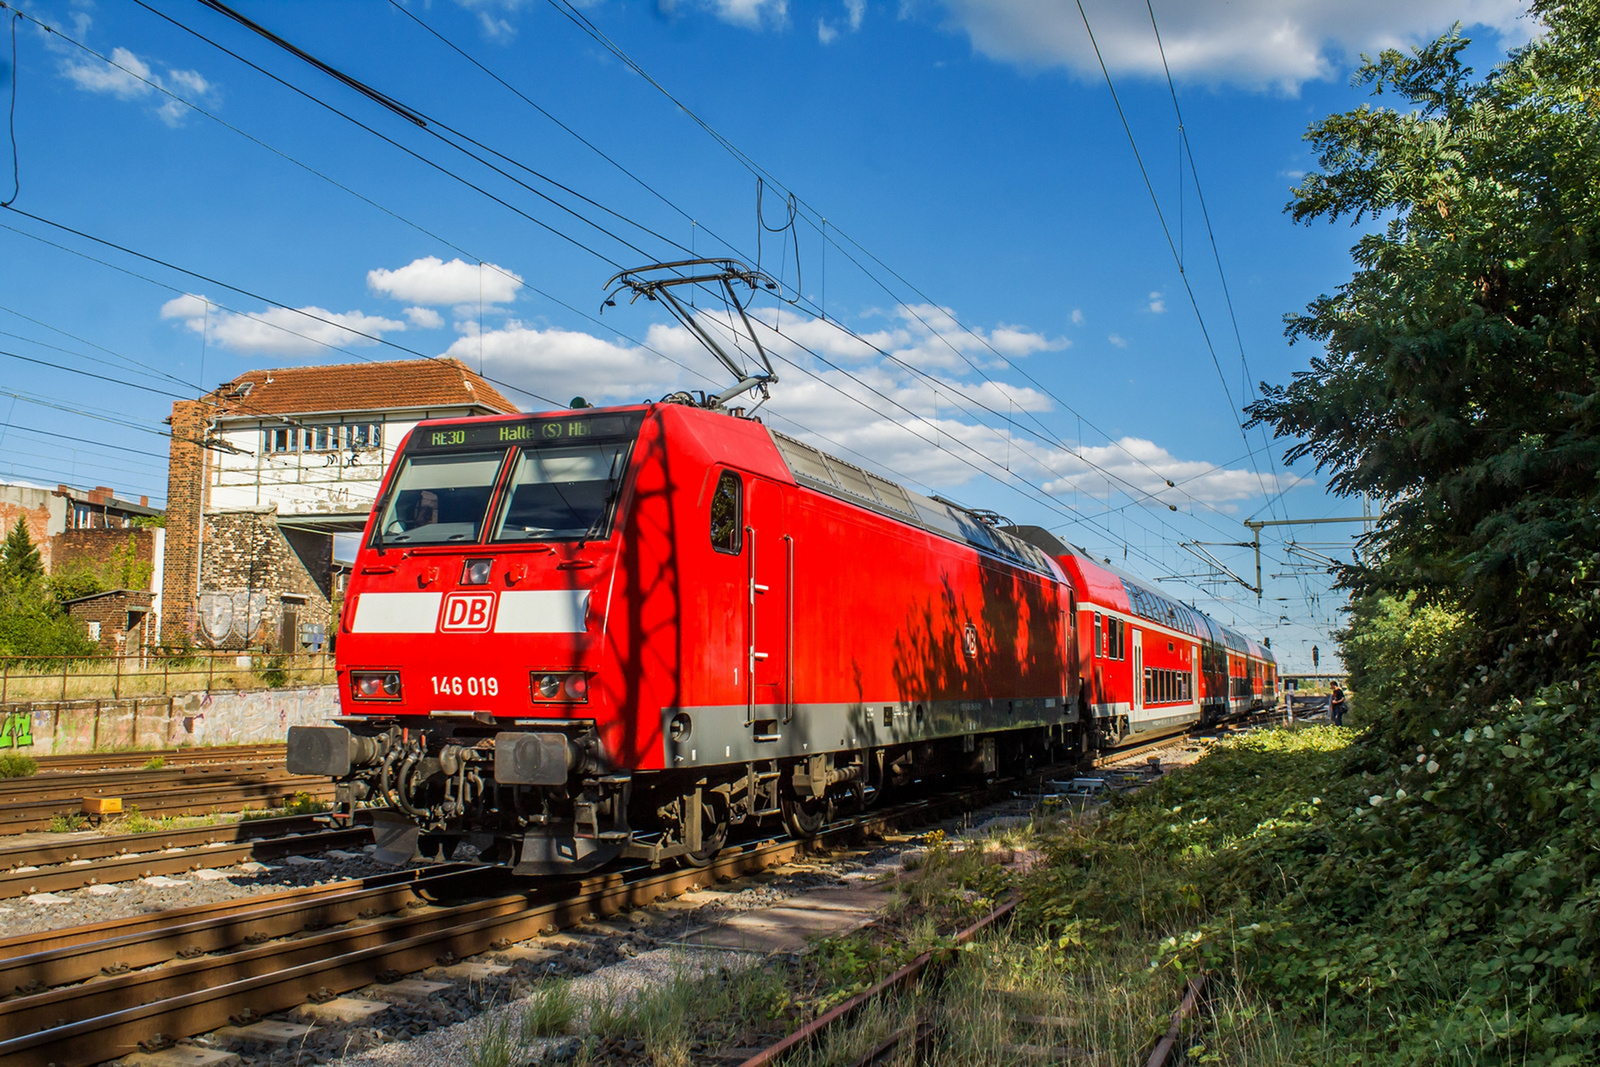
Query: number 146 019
x=456, y=685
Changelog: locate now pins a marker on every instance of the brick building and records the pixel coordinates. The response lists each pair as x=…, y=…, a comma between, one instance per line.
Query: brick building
x=119, y=620
x=266, y=468
x=52, y=514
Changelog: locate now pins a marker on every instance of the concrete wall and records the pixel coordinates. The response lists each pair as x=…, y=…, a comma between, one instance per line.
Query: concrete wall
x=237, y=718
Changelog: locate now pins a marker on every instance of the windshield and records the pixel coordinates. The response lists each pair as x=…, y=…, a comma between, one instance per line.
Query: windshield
x=440, y=499
x=562, y=494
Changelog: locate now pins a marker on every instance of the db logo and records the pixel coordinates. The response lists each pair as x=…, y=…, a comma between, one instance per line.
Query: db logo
x=467, y=612
x=970, y=641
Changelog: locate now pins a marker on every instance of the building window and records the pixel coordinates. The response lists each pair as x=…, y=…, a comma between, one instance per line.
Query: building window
x=283, y=439
x=94, y=630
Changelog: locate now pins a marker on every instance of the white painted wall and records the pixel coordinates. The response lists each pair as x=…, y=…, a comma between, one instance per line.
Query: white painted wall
x=307, y=482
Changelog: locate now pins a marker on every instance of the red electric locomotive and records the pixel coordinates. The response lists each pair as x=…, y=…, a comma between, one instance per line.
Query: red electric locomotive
x=1151, y=664
x=593, y=633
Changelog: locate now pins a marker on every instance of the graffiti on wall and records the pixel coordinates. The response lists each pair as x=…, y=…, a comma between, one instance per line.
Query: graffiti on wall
x=237, y=616
x=16, y=731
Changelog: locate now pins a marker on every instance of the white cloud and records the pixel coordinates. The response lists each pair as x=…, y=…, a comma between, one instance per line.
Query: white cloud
x=424, y=318
x=1117, y=340
x=1146, y=467
x=127, y=77
x=283, y=331
x=854, y=12
x=1252, y=43
x=433, y=282
x=1077, y=317
x=1157, y=305
x=750, y=13
x=563, y=363
x=924, y=429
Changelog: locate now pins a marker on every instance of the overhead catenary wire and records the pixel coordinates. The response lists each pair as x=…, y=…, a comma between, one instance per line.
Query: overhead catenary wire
x=584, y=23
x=946, y=386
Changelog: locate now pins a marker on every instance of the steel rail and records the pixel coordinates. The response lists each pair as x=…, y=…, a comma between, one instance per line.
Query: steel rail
x=70, y=847
x=904, y=976
x=54, y=958
x=189, y=756
x=105, y=1019
x=176, y=860
x=195, y=800
x=73, y=785
x=1169, y=1041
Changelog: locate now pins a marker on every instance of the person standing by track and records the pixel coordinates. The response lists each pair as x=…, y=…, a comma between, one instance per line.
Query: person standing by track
x=1336, y=705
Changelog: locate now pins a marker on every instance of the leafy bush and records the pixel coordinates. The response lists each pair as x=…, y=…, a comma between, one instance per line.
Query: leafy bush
x=1405, y=660
x=1440, y=903
x=17, y=765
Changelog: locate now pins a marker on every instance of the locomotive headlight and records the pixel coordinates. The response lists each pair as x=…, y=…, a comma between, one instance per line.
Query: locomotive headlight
x=476, y=571
x=375, y=685
x=570, y=687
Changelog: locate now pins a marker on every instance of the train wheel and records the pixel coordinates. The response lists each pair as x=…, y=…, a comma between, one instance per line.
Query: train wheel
x=806, y=818
x=713, y=831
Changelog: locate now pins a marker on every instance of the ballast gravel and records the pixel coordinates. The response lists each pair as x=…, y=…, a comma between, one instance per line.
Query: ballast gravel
x=108, y=902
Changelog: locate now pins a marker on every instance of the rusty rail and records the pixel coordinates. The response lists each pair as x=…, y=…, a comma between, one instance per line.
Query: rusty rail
x=69, y=1026
x=905, y=975
x=1169, y=1041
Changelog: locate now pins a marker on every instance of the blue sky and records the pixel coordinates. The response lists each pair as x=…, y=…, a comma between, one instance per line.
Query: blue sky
x=1030, y=345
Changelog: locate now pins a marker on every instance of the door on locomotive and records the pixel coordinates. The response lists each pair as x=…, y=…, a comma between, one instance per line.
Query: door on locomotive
x=770, y=551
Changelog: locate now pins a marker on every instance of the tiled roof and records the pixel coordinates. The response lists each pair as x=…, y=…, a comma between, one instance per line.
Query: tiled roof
x=410, y=383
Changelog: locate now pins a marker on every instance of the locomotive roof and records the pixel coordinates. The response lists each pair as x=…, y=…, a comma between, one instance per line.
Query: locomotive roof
x=817, y=470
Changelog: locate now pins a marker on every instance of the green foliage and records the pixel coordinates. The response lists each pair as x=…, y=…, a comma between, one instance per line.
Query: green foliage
x=20, y=566
x=549, y=1011
x=276, y=673
x=39, y=630
x=302, y=803
x=17, y=765
x=68, y=822
x=1460, y=383
x=126, y=570
x=1405, y=659
x=1441, y=903
x=493, y=1045
x=31, y=622
x=155, y=763
x=73, y=580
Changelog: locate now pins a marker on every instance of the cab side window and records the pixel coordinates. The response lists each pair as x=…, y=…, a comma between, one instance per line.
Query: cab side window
x=727, y=515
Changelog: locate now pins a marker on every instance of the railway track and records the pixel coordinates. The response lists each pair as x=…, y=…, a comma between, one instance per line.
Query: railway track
x=34, y=803
x=88, y=994
x=171, y=757
x=50, y=867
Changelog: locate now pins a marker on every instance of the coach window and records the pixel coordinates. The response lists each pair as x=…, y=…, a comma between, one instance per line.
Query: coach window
x=727, y=515
x=1099, y=642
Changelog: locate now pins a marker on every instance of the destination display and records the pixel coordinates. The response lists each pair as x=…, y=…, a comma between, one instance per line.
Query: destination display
x=533, y=432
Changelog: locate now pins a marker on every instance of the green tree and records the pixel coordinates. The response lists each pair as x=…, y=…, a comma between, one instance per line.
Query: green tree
x=20, y=566
x=1458, y=382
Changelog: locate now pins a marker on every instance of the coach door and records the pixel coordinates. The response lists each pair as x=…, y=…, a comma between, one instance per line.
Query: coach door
x=770, y=607
x=1137, y=641
x=1194, y=673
